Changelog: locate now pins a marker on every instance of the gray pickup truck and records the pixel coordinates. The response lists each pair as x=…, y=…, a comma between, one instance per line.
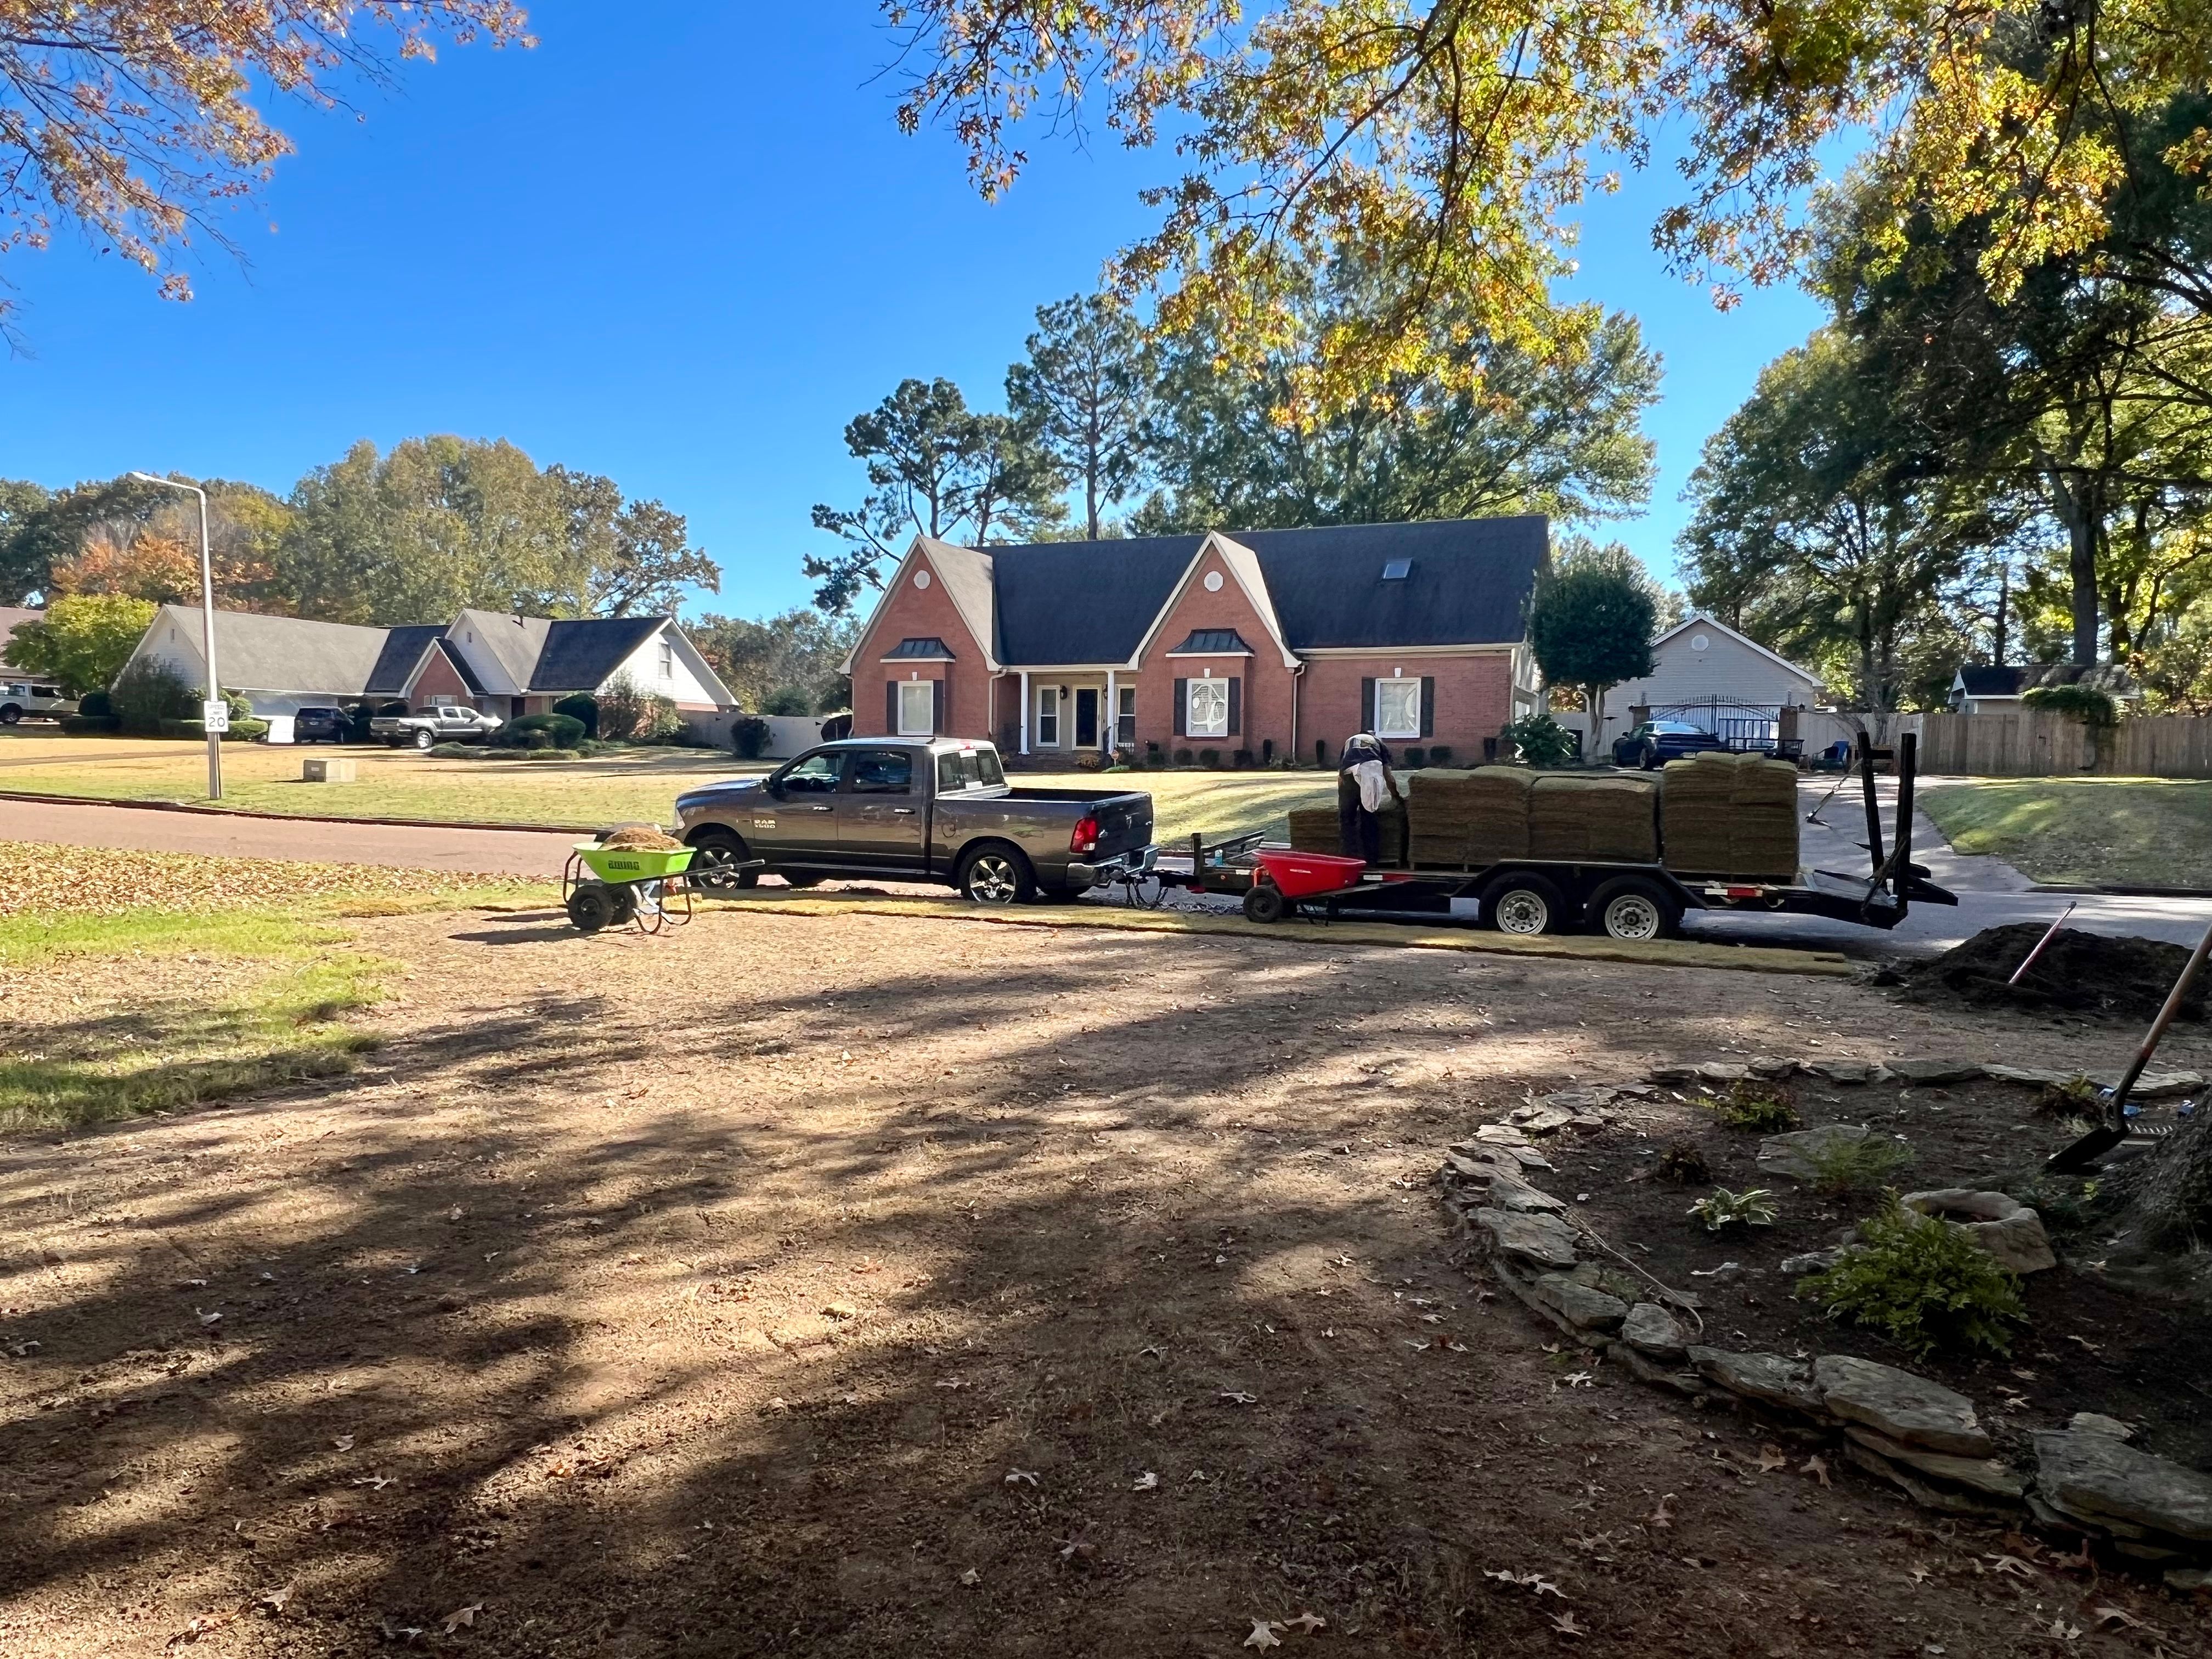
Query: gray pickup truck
x=914, y=809
x=449, y=722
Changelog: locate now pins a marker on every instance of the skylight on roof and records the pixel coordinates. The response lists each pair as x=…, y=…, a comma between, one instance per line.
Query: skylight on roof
x=1397, y=570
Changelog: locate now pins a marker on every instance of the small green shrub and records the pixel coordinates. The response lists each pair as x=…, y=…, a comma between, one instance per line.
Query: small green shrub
x=95, y=704
x=2077, y=1098
x=2085, y=703
x=1242, y=758
x=1184, y=757
x=1539, y=740
x=552, y=755
x=1722, y=1208
x=1922, y=1283
x=1440, y=754
x=146, y=694
x=788, y=700
x=240, y=731
x=583, y=707
x=1755, y=1108
x=749, y=736
x=1210, y=759
x=1681, y=1164
x=91, y=725
x=1155, y=761
x=1417, y=756
x=1120, y=766
x=1843, y=1167
x=456, y=751
x=540, y=731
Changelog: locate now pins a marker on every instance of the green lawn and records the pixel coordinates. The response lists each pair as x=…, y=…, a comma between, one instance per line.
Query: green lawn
x=217, y=977
x=2152, y=832
x=606, y=789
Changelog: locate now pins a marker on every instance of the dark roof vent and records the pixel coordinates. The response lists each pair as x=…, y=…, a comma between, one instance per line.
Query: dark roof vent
x=928, y=648
x=1396, y=570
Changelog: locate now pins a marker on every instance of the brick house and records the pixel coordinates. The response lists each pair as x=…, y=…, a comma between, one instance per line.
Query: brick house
x=1278, y=642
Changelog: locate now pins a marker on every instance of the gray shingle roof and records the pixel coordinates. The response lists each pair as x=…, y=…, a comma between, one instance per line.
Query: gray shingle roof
x=403, y=649
x=1091, y=602
x=254, y=652
x=1987, y=682
x=579, y=654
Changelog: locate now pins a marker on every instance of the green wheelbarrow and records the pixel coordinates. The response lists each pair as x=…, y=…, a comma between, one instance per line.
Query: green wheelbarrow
x=604, y=886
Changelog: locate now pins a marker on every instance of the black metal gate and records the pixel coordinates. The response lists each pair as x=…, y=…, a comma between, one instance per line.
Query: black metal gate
x=1752, y=727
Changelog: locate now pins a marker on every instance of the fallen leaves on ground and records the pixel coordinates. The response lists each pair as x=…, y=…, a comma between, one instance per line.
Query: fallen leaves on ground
x=38, y=880
x=1664, y=1514
x=1771, y=1458
x=1263, y=1635
x=1818, y=1468
x=1310, y=1622
x=1535, y=1581
x=1565, y=1624
x=462, y=1618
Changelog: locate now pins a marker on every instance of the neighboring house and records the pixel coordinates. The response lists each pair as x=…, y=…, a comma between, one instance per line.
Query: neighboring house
x=1997, y=688
x=1704, y=671
x=11, y=619
x=504, y=663
x=1271, y=641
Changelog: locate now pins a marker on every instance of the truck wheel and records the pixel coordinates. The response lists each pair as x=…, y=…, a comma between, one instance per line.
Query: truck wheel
x=995, y=874
x=424, y=740
x=591, y=907
x=1635, y=908
x=10, y=715
x=1526, y=905
x=718, y=850
x=1264, y=902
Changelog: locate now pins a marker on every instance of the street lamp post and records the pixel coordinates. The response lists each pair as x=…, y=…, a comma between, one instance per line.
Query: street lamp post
x=207, y=633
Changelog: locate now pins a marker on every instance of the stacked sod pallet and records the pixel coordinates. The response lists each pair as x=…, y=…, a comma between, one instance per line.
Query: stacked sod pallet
x=1465, y=820
x=1603, y=817
x=1730, y=815
x=1315, y=829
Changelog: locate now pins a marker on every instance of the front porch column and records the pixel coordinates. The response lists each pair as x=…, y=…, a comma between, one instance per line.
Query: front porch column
x=1025, y=711
x=1109, y=728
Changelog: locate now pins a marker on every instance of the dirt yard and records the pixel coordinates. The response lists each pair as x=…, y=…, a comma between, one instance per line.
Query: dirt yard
x=869, y=1286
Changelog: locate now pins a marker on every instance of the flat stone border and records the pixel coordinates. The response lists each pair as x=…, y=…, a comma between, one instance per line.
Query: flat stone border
x=1924, y=1438
x=1915, y=1072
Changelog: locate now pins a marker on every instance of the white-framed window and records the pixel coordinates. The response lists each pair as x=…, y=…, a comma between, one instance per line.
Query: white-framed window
x=1048, y=719
x=1397, y=709
x=1209, y=708
x=917, y=707
x=1124, y=717
x=668, y=660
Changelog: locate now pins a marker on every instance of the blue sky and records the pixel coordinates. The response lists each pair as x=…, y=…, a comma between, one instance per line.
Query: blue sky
x=673, y=249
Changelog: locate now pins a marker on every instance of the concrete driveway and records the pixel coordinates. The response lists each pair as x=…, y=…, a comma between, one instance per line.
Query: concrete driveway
x=487, y=852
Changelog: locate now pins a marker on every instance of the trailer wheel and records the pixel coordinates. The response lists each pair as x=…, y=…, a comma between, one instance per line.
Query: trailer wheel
x=1264, y=902
x=1527, y=905
x=995, y=874
x=1634, y=909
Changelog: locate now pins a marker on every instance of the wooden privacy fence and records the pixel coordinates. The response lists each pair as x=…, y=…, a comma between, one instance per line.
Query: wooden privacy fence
x=2033, y=744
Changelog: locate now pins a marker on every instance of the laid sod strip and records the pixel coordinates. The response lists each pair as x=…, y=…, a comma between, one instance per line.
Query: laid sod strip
x=1672, y=953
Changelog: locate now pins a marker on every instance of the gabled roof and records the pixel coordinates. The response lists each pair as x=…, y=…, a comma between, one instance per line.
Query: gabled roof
x=2002, y=680
x=580, y=653
x=404, y=650
x=254, y=653
x=11, y=619
x=1064, y=603
x=504, y=647
x=1698, y=619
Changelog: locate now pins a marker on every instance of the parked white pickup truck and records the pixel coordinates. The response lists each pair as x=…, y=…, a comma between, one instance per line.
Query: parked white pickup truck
x=449, y=722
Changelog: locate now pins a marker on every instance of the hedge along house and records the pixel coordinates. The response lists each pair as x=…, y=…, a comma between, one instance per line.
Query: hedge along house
x=502, y=663
x=1276, y=642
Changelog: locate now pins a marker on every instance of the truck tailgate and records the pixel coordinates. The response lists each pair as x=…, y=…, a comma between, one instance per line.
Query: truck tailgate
x=1125, y=823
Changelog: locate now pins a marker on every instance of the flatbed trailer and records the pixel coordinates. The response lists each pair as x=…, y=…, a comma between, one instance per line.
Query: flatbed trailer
x=1527, y=895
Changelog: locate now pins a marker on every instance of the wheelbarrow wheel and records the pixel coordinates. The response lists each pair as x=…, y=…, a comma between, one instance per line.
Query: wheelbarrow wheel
x=1264, y=902
x=593, y=905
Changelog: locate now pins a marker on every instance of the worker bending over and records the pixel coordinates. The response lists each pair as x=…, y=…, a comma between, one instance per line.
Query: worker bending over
x=1363, y=782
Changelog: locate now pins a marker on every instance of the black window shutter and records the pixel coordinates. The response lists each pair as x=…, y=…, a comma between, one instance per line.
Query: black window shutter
x=936, y=708
x=1183, y=707
x=1235, y=705
x=1367, y=721
x=1428, y=705
x=890, y=709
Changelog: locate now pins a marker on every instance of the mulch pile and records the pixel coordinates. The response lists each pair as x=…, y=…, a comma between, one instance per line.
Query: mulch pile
x=1460, y=819
x=1730, y=815
x=1578, y=816
x=2082, y=973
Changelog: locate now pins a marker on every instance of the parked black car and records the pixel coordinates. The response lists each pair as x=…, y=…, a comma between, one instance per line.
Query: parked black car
x=1656, y=742
x=320, y=725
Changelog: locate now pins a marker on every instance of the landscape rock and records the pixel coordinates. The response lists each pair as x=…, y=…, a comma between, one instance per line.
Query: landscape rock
x=1672, y=1074
x=1581, y=1306
x=1907, y=1408
x=2028, y=1077
x=1843, y=1071
x=1721, y=1071
x=1812, y=1261
x=1945, y=1499
x=1763, y=1377
x=2160, y=1086
x=1650, y=1329
x=2186, y=1579
x=1791, y=1156
x=2097, y=1423
x=2000, y=1224
x=1541, y=1120
x=1579, y=1100
x=1499, y=1134
x=1934, y=1073
x=1649, y=1370
x=1986, y=1475
x=1542, y=1241
x=1772, y=1069
x=2095, y=1478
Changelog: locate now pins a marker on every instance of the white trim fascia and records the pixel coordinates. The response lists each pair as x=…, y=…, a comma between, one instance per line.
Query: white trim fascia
x=1489, y=650
x=161, y=616
x=948, y=658
x=979, y=629
x=695, y=659
x=1698, y=619
x=1195, y=655
x=918, y=548
x=1064, y=667
x=1243, y=565
x=497, y=682
x=883, y=598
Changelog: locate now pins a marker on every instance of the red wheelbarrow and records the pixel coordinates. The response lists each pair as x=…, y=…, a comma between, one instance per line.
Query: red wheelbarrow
x=1283, y=879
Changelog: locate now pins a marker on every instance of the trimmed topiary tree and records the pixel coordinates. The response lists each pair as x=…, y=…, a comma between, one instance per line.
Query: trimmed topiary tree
x=1590, y=626
x=581, y=707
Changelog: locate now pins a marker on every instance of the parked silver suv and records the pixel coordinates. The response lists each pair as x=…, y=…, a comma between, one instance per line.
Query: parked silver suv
x=27, y=700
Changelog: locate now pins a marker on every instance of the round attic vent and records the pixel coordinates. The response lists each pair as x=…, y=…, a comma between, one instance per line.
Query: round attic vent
x=921, y=579
x=1698, y=642
x=1213, y=581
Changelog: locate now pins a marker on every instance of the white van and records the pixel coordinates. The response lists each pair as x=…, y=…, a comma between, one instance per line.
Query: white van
x=22, y=700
